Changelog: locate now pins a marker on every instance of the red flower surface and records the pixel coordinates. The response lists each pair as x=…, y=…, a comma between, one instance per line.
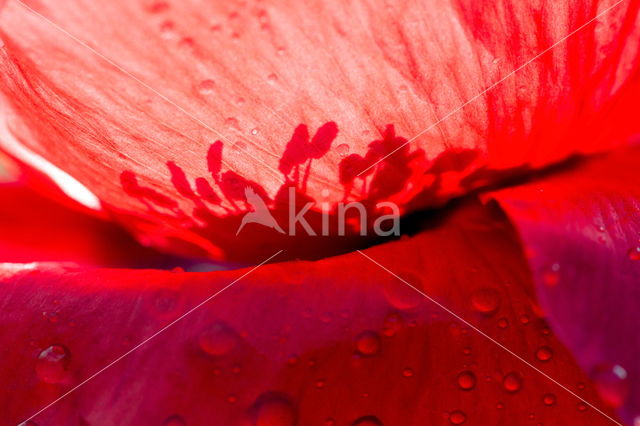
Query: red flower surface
x=503, y=131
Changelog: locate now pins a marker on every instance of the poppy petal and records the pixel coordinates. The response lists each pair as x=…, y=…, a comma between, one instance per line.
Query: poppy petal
x=163, y=112
x=36, y=229
x=582, y=229
x=335, y=342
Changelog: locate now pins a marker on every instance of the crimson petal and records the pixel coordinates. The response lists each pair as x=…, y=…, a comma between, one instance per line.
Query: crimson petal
x=334, y=342
x=582, y=230
x=218, y=89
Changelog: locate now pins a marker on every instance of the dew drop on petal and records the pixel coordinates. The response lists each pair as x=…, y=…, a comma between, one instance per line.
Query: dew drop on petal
x=634, y=253
x=52, y=317
x=157, y=7
x=217, y=339
x=168, y=30
x=393, y=323
x=466, y=380
x=582, y=406
x=52, y=363
x=400, y=295
x=549, y=399
x=232, y=123
x=329, y=422
x=512, y=382
x=342, y=150
x=457, y=417
x=254, y=131
x=503, y=323
x=174, y=420
x=367, y=421
x=407, y=372
x=206, y=87
x=368, y=343
x=612, y=384
x=272, y=78
x=544, y=353
x=275, y=412
x=321, y=384
x=486, y=300
x=165, y=301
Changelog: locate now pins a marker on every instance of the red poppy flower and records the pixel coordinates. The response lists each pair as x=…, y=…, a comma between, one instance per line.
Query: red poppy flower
x=236, y=135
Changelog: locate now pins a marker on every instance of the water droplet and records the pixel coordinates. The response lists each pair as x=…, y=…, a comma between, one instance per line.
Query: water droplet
x=512, y=382
x=52, y=363
x=499, y=405
x=611, y=382
x=503, y=323
x=549, y=399
x=187, y=44
x=466, y=350
x=240, y=101
x=329, y=422
x=634, y=253
x=254, y=131
x=52, y=317
x=206, y=87
x=544, y=353
x=342, y=150
x=407, y=372
x=402, y=296
x=367, y=421
x=272, y=78
x=165, y=301
x=524, y=319
x=274, y=411
x=368, y=343
x=168, y=30
x=457, y=417
x=550, y=278
x=392, y=324
x=486, y=300
x=217, y=339
x=321, y=383
x=232, y=123
x=232, y=399
x=582, y=406
x=174, y=420
x=466, y=380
